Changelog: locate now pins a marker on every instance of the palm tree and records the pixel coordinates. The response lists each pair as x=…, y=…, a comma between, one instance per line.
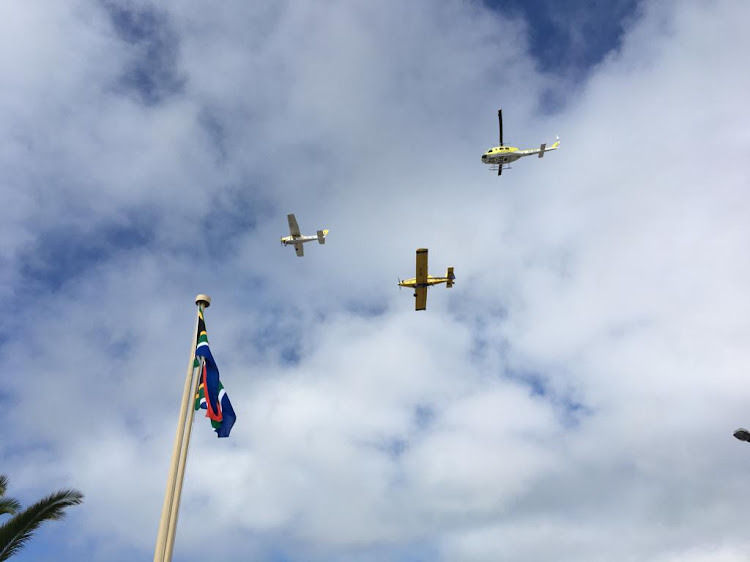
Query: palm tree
x=18, y=530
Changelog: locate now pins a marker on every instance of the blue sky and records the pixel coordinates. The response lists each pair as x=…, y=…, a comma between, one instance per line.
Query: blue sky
x=536, y=411
x=570, y=39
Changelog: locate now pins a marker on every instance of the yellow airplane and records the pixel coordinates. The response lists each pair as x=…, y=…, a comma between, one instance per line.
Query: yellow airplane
x=499, y=156
x=422, y=280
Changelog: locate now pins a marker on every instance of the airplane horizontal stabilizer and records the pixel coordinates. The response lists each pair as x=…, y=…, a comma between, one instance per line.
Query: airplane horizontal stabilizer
x=542, y=147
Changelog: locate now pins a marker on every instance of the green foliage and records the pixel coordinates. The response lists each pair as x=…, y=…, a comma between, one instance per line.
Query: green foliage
x=19, y=529
x=9, y=506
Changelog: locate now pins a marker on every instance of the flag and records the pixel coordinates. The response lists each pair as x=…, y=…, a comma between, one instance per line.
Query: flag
x=211, y=395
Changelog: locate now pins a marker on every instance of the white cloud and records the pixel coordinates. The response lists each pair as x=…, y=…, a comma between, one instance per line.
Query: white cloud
x=571, y=398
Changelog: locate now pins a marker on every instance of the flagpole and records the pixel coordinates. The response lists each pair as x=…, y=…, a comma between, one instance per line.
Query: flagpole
x=168, y=512
x=171, y=531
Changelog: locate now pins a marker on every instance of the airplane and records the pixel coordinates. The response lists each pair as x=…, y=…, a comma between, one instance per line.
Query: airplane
x=422, y=280
x=499, y=156
x=297, y=239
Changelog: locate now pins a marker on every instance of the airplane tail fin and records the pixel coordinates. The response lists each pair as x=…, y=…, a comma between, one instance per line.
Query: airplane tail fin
x=322, y=236
x=451, y=278
x=544, y=148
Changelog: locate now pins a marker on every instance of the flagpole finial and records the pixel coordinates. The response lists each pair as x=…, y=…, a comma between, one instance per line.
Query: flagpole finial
x=203, y=300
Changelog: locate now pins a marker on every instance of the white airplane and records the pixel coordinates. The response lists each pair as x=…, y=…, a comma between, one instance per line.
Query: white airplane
x=297, y=239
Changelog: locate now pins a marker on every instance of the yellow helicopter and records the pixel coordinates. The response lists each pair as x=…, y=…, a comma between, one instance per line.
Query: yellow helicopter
x=501, y=156
x=423, y=280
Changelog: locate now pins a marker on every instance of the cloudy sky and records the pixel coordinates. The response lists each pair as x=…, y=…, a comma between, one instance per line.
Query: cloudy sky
x=571, y=398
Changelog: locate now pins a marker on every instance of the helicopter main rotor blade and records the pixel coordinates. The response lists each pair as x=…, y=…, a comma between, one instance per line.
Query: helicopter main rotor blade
x=500, y=122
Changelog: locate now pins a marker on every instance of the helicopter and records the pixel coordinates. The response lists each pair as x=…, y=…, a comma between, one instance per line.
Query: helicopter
x=499, y=157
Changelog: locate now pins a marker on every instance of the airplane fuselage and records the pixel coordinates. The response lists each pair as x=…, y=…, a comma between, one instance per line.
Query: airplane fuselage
x=286, y=240
x=430, y=281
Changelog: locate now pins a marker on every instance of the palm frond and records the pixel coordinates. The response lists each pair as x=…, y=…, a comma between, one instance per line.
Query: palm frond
x=17, y=531
x=9, y=506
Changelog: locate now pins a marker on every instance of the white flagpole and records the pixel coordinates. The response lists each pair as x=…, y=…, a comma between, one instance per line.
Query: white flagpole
x=174, y=485
x=171, y=531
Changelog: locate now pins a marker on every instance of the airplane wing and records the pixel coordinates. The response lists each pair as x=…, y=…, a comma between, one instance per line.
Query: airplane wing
x=293, y=226
x=300, y=249
x=420, y=302
x=421, y=266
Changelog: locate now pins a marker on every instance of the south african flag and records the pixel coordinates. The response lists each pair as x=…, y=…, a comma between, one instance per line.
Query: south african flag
x=211, y=395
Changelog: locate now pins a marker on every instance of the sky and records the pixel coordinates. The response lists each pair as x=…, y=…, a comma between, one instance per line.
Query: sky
x=571, y=398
